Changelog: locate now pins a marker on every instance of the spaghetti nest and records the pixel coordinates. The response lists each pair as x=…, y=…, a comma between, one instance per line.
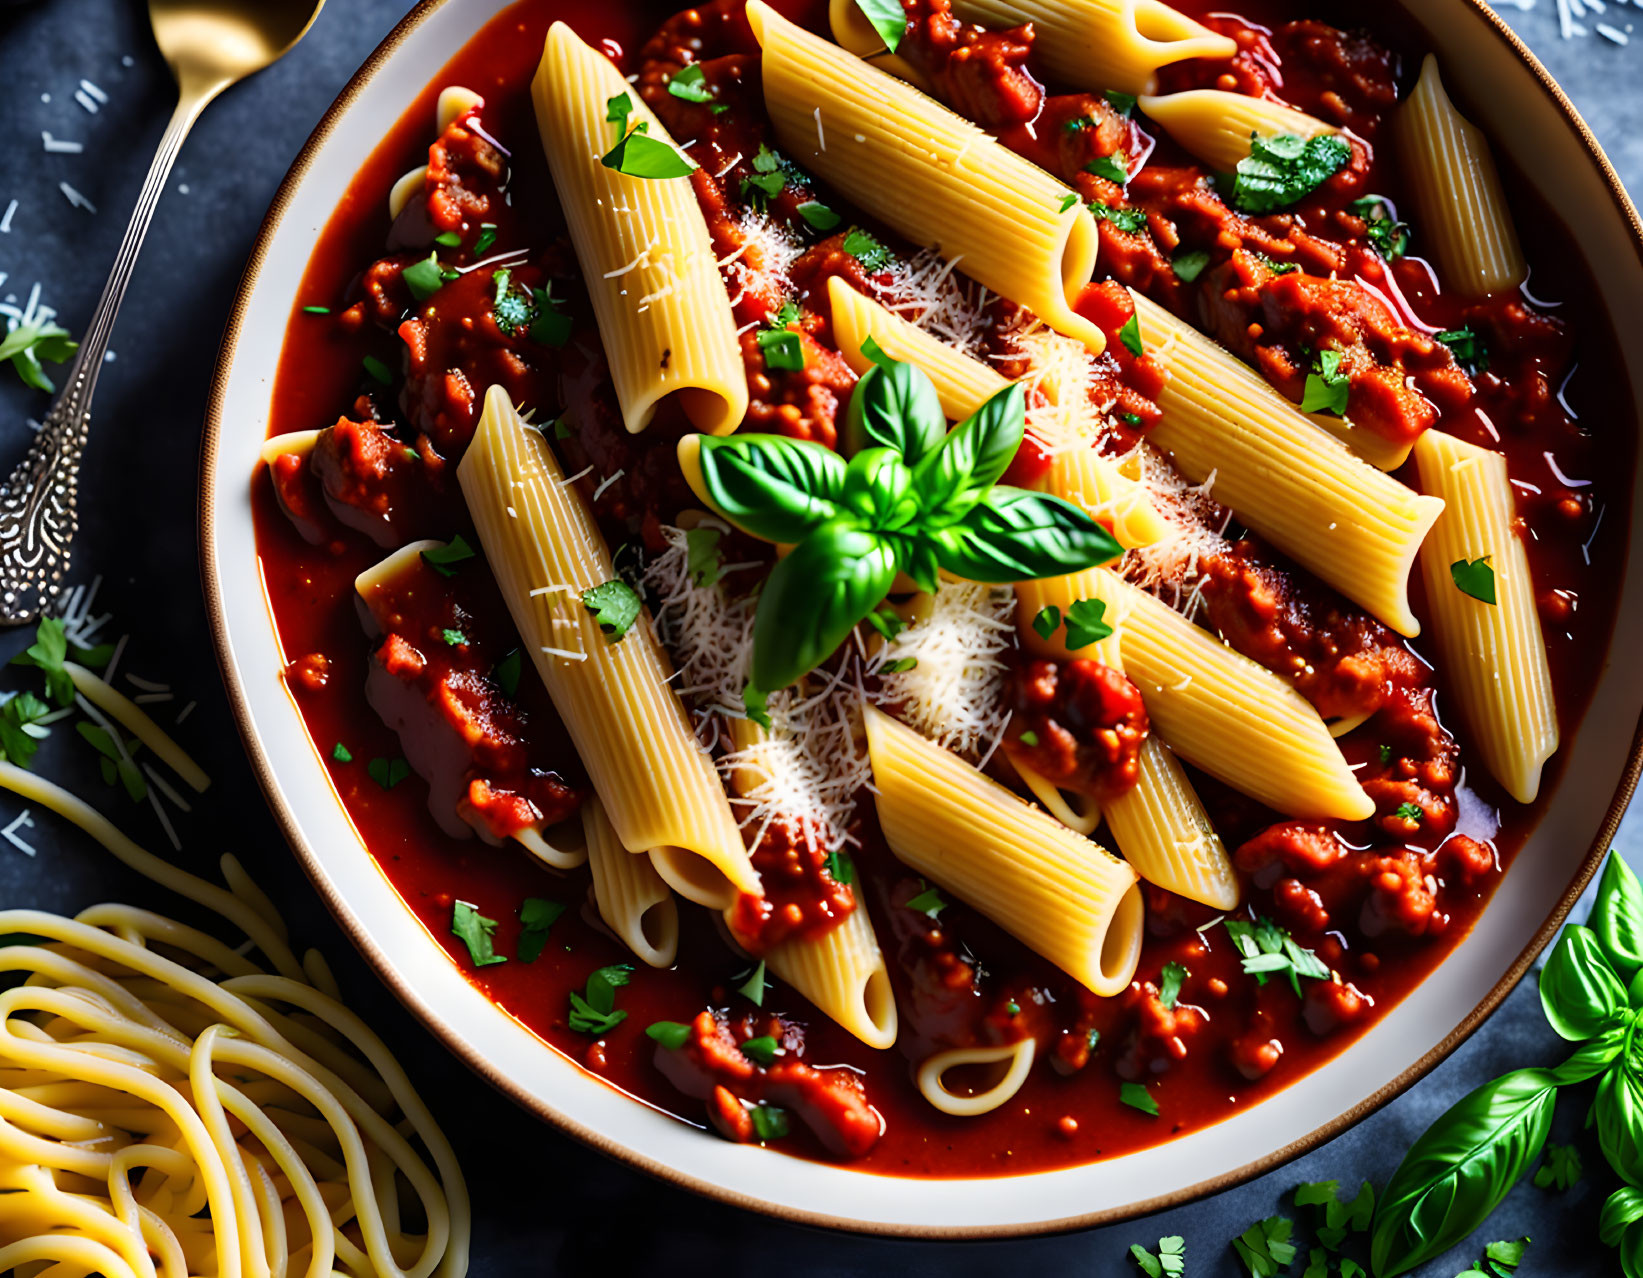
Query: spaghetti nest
x=170, y=1107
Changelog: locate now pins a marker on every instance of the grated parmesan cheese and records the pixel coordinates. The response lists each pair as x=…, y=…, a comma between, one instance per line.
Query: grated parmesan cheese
x=1169, y=568
x=927, y=290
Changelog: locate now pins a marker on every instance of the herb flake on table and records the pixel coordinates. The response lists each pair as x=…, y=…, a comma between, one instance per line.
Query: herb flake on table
x=1170, y=1262
x=1560, y=1168
x=477, y=932
x=1264, y=1248
x=27, y=344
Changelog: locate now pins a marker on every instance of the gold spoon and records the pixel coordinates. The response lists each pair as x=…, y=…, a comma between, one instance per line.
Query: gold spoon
x=209, y=45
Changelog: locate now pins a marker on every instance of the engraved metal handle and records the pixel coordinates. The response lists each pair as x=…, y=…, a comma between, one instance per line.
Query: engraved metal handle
x=37, y=500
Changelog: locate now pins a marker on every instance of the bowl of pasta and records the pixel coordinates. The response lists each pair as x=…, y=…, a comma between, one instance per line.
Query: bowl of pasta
x=953, y=618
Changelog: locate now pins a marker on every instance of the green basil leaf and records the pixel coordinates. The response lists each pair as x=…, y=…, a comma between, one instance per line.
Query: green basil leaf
x=879, y=487
x=642, y=156
x=770, y=486
x=1592, y=1058
x=887, y=17
x=895, y=405
x=919, y=559
x=1014, y=534
x=957, y=473
x=1460, y=1169
x=1579, y=991
x=814, y=598
x=1617, y=918
x=1631, y=1253
x=1623, y=1208
x=1618, y=1112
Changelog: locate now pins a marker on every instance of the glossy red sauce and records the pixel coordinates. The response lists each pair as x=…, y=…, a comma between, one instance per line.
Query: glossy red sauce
x=1227, y=1043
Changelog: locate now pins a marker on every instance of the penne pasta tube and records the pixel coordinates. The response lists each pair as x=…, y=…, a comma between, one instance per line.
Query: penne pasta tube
x=934, y=177
x=647, y=258
x=1058, y=893
x=1458, y=197
x=455, y=101
x=1214, y=707
x=1097, y=483
x=1216, y=125
x=631, y=897
x=1493, y=654
x=1352, y=526
x=659, y=788
x=1161, y=829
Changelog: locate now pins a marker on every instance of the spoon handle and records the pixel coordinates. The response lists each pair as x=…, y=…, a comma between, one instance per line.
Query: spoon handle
x=37, y=500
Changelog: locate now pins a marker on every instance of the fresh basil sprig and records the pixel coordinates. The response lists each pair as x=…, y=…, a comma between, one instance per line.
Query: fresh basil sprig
x=1467, y=1161
x=913, y=498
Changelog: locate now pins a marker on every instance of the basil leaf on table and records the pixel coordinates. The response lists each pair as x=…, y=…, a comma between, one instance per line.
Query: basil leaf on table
x=773, y=487
x=957, y=473
x=1623, y=1209
x=1592, y=1058
x=1618, y=1113
x=1460, y=1169
x=814, y=597
x=1014, y=534
x=1617, y=918
x=1579, y=991
x=894, y=405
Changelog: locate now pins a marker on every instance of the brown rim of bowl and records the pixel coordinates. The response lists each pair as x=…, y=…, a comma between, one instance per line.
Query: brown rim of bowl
x=470, y=1055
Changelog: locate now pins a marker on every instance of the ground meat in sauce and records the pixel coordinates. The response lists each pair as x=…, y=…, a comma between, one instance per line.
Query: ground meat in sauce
x=1078, y=723
x=801, y=897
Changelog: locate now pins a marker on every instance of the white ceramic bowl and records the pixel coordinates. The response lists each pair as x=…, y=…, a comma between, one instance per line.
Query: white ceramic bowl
x=1529, y=119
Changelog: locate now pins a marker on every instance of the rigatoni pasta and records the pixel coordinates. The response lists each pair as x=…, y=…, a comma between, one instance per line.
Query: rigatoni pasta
x=938, y=179
x=1216, y=125
x=1162, y=829
x=1494, y=654
x=646, y=256
x=1457, y=192
x=1061, y=895
x=630, y=895
x=659, y=788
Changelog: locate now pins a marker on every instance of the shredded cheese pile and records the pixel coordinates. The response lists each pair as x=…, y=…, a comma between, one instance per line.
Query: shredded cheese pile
x=927, y=290
x=1170, y=567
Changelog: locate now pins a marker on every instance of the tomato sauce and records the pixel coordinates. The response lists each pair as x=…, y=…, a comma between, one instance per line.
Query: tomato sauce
x=1381, y=905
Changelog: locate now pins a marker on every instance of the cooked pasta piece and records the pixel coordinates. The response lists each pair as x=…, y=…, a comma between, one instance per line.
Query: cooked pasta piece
x=647, y=259
x=297, y=442
x=1351, y=525
x=1099, y=484
x=1217, y=709
x=1061, y=895
x=659, y=788
x=1017, y=1058
x=932, y=175
x=1162, y=830
x=1458, y=197
x=843, y=971
x=1093, y=44
x=455, y=101
x=1493, y=654
x=631, y=897
x=1216, y=125
x=406, y=189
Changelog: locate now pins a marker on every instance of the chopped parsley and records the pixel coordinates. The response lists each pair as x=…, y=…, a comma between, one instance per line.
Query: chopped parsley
x=316, y=310
x=1385, y=752
x=1047, y=621
x=1170, y=1262
x=341, y=753
x=617, y=110
x=594, y=1012
x=1067, y=201
x=818, y=215
x=1338, y=1219
x=1125, y=219
x=1276, y=267
x=510, y=307
x=449, y=239
x=642, y=156
x=453, y=638
x=377, y=370
x=1560, y=1169
x=670, y=1034
x=769, y=177
x=1130, y=335
x=1410, y=812
x=1190, y=264
x=762, y=1050
x=841, y=868
x=770, y=1121
x=1012, y=1008
x=1475, y=578
x=703, y=561
x=866, y=249
x=691, y=85
x=440, y=558
x=536, y=919
x=505, y=673
x=1327, y=388
x=1086, y=623
x=1467, y=347
x=887, y=17
x=388, y=772
x=27, y=344
x=1169, y=984
x=1283, y=169
x=1138, y=1097
x=1078, y=123
x=1389, y=236
x=1110, y=167
x=1269, y=950
x=427, y=277
x=19, y=727
x=487, y=237
x=1130, y=419
x=477, y=932
x=1029, y=738
x=1264, y=1248
x=757, y=705
x=1123, y=103
x=928, y=902
x=899, y=666
x=47, y=653
x=780, y=345
x=615, y=606
x=1500, y=1259
x=753, y=988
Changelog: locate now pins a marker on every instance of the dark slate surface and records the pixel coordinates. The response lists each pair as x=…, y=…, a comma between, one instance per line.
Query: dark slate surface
x=543, y=1204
